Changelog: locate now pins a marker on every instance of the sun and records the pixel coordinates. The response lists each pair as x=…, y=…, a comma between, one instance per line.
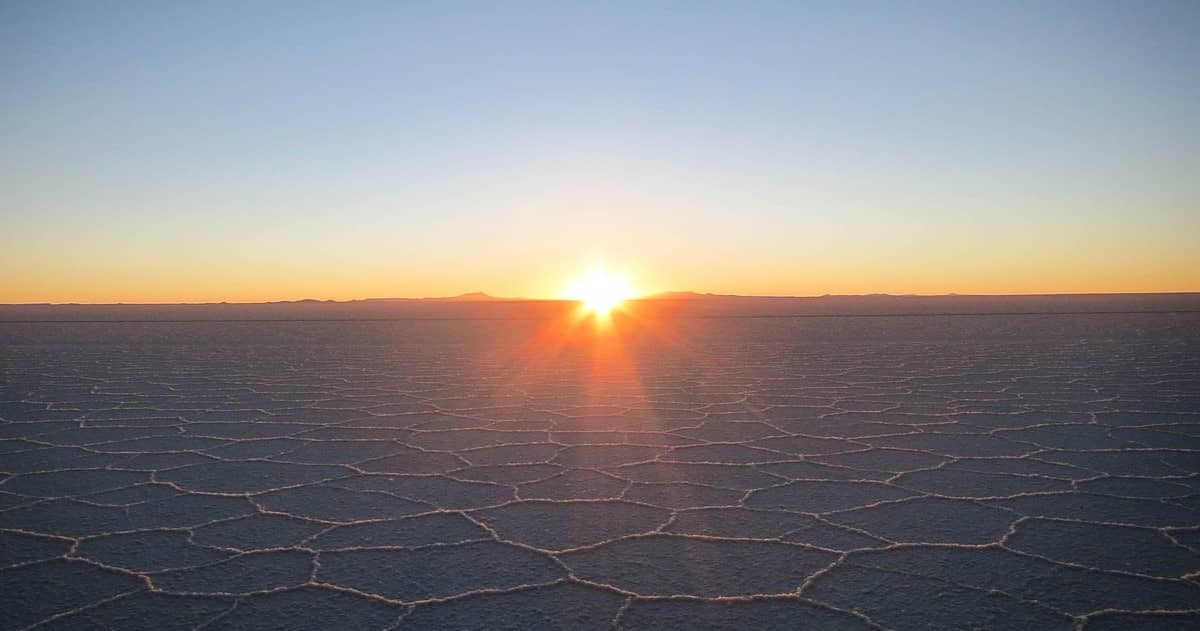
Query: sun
x=600, y=291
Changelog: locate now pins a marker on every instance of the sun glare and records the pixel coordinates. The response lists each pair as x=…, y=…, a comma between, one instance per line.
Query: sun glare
x=600, y=291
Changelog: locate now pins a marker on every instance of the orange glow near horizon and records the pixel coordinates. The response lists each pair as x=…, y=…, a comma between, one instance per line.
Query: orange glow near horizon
x=93, y=275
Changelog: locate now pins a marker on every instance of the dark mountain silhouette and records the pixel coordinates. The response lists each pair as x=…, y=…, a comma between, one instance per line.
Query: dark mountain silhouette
x=478, y=305
x=474, y=296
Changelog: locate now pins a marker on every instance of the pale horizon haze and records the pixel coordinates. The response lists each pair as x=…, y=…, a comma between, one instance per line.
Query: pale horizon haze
x=193, y=152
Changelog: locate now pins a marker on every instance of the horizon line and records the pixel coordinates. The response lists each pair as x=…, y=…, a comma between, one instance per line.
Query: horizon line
x=478, y=296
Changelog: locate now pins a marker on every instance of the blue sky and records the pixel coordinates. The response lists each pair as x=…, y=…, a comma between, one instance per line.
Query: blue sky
x=170, y=151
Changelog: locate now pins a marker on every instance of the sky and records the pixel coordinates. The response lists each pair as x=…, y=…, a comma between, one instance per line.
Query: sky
x=209, y=151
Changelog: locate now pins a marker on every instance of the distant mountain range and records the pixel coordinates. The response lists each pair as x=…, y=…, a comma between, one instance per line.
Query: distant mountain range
x=474, y=296
x=478, y=305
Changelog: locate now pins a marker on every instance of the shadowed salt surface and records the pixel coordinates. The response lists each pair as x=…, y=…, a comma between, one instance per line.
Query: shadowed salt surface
x=999, y=472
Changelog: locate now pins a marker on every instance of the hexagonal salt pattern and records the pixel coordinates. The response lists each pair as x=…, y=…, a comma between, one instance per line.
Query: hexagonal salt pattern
x=899, y=473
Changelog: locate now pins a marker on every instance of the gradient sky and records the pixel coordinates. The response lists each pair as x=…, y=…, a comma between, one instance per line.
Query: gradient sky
x=171, y=151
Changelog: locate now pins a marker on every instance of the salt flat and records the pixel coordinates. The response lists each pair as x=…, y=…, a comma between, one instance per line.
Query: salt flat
x=926, y=472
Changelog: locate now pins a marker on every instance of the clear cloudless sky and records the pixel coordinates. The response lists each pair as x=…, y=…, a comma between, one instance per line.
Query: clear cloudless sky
x=196, y=151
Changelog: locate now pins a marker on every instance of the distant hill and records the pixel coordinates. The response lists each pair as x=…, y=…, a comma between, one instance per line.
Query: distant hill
x=682, y=295
x=474, y=296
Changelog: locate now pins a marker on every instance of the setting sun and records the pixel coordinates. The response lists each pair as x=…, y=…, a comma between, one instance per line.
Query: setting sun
x=600, y=291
